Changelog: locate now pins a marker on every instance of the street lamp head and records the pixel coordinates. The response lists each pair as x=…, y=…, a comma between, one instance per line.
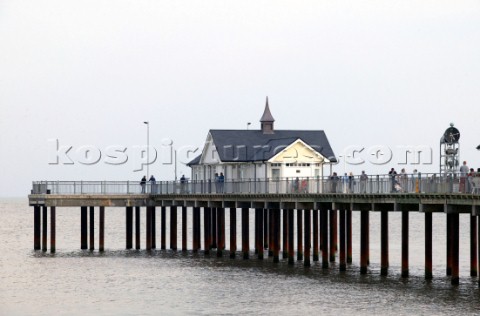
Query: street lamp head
x=478, y=147
x=145, y=122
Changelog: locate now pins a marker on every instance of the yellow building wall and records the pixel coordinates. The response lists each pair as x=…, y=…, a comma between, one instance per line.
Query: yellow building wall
x=298, y=152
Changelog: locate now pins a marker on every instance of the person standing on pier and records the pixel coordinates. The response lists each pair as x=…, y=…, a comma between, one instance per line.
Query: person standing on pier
x=221, y=180
x=143, y=183
x=217, y=182
x=183, y=181
x=363, y=182
x=153, y=184
x=463, y=177
x=334, y=180
x=392, y=175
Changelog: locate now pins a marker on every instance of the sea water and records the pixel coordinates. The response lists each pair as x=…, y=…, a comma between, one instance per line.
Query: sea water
x=166, y=282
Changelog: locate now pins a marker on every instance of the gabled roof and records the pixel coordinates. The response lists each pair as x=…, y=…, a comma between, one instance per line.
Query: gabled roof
x=254, y=145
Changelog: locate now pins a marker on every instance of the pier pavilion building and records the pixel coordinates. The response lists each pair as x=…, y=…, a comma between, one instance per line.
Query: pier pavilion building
x=263, y=154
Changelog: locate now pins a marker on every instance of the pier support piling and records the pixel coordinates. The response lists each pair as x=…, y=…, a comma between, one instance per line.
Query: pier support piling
x=196, y=229
x=349, y=236
x=260, y=233
x=137, y=227
x=148, y=228
x=455, y=248
x=245, y=233
x=214, y=228
x=207, y=229
x=184, y=228
x=404, y=244
x=343, y=261
x=364, y=217
x=44, y=228
x=84, y=228
x=265, y=228
x=233, y=232
x=154, y=227
x=101, y=230
x=428, y=246
x=449, y=244
x=299, y=235
x=473, y=246
x=92, y=228
x=285, y=233
x=173, y=227
x=308, y=237
x=220, y=231
x=384, y=243
x=52, y=229
x=324, y=239
x=36, y=227
x=276, y=235
x=315, y=236
x=163, y=228
x=291, y=236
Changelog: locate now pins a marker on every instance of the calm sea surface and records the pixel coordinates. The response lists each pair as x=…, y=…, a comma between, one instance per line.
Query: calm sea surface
x=120, y=282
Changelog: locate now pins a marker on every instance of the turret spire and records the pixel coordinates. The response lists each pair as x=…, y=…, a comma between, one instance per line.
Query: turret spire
x=267, y=120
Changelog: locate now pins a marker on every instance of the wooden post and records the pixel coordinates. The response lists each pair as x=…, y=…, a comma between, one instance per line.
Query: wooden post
x=44, y=227
x=255, y=244
x=333, y=234
x=101, y=237
x=449, y=244
x=291, y=244
x=36, y=227
x=196, y=229
x=83, y=227
x=184, y=228
x=214, y=228
x=316, y=252
x=245, y=235
x=384, y=243
x=299, y=235
x=285, y=233
x=270, y=233
x=473, y=246
x=343, y=261
x=52, y=229
x=276, y=235
x=349, y=236
x=207, y=229
x=308, y=237
x=265, y=228
x=455, y=248
x=173, y=227
x=154, y=226
x=404, y=244
x=163, y=228
x=233, y=232
x=260, y=233
x=363, y=241
x=137, y=227
x=324, y=238
x=92, y=227
x=148, y=229
x=220, y=231
x=428, y=246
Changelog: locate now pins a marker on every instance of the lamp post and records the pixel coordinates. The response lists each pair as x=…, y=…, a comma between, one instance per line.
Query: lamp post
x=148, y=147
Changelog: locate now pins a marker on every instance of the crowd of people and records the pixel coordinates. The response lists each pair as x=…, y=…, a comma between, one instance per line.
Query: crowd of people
x=468, y=181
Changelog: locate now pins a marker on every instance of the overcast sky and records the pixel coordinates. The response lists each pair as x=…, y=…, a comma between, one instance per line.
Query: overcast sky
x=369, y=73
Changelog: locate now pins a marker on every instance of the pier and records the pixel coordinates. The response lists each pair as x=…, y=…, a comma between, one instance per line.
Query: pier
x=322, y=217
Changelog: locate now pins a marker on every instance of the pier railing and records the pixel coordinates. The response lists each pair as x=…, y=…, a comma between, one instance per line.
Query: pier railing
x=377, y=184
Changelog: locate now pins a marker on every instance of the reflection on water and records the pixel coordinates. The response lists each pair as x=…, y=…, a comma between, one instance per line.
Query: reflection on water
x=117, y=281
